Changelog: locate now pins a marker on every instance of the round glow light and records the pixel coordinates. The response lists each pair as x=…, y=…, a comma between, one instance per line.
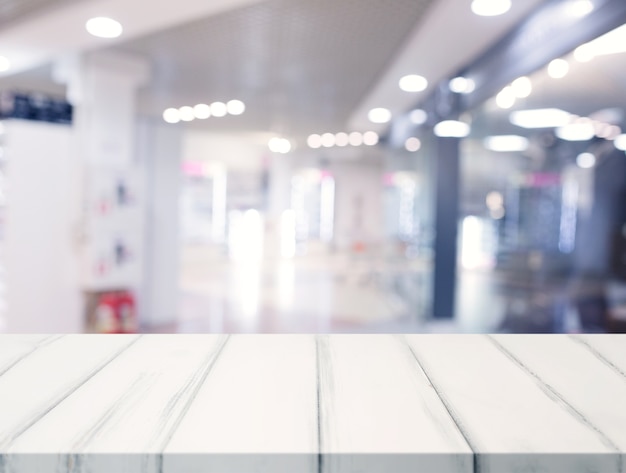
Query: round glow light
x=379, y=115
x=5, y=64
x=341, y=139
x=314, y=141
x=497, y=214
x=186, y=114
x=202, y=111
x=494, y=200
x=576, y=132
x=413, y=83
x=506, y=98
x=579, y=8
x=541, y=118
x=413, y=144
x=218, y=109
x=328, y=140
x=235, y=107
x=355, y=138
x=586, y=160
x=490, y=7
x=418, y=117
x=583, y=53
x=279, y=145
x=452, y=129
x=506, y=143
x=522, y=87
x=558, y=68
x=370, y=138
x=171, y=115
x=613, y=132
x=104, y=27
x=620, y=142
x=462, y=85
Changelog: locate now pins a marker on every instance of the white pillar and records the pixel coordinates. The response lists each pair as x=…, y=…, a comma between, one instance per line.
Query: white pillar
x=160, y=147
x=109, y=210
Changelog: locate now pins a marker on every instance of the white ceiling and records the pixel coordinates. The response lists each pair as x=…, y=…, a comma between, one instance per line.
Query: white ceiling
x=302, y=66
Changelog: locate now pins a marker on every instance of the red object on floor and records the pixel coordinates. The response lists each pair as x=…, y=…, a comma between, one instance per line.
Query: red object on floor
x=116, y=313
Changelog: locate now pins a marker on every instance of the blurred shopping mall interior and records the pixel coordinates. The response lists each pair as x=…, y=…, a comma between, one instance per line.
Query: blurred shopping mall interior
x=281, y=166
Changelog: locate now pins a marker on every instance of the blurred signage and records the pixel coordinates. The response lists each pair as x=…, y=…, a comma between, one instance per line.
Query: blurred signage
x=540, y=179
x=35, y=107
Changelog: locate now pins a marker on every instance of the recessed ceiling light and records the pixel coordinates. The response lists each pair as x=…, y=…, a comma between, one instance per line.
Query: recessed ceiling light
x=413, y=83
x=413, y=144
x=342, y=139
x=452, y=129
x=171, y=115
x=620, y=142
x=462, y=85
x=104, y=27
x=370, y=138
x=314, y=141
x=613, y=42
x=202, y=111
x=579, y=8
x=218, y=109
x=5, y=64
x=583, y=53
x=613, y=132
x=328, y=140
x=379, y=115
x=576, y=132
x=586, y=160
x=494, y=200
x=506, y=98
x=522, y=87
x=186, y=114
x=279, y=145
x=418, y=117
x=540, y=118
x=491, y=7
x=506, y=143
x=558, y=68
x=356, y=138
x=235, y=107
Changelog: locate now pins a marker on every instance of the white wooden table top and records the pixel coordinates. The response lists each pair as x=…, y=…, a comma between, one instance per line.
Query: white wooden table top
x=307, y=403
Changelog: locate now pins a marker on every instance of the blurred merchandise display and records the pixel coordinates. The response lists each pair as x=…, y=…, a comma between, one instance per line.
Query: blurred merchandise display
x=111, y=312
x=37, y=107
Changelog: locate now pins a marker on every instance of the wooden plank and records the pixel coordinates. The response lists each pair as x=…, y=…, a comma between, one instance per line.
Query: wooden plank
x=257, y=412
x=610, y=348
x=509, y=419
x=14, y=348
x=43, y=379
x=121, y=418
x=379, y=412
x=587, y=387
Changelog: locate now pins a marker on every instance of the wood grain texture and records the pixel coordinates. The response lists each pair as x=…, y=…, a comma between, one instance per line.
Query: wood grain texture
x=131, y=406
x=379, y=412
x=15, y=349
x=41, y=380
x=511, y=421
x=583, y=384
x=312, y=404
x=257, y=412
x=611, y=349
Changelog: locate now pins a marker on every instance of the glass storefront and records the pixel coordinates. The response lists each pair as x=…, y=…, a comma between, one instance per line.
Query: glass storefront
x=543, y=206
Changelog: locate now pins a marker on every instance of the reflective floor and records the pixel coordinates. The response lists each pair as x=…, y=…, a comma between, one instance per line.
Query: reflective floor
x=373, y=292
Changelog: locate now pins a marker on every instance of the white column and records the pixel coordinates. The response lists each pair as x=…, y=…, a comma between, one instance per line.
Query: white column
x=109, y=209
x=160, y=148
